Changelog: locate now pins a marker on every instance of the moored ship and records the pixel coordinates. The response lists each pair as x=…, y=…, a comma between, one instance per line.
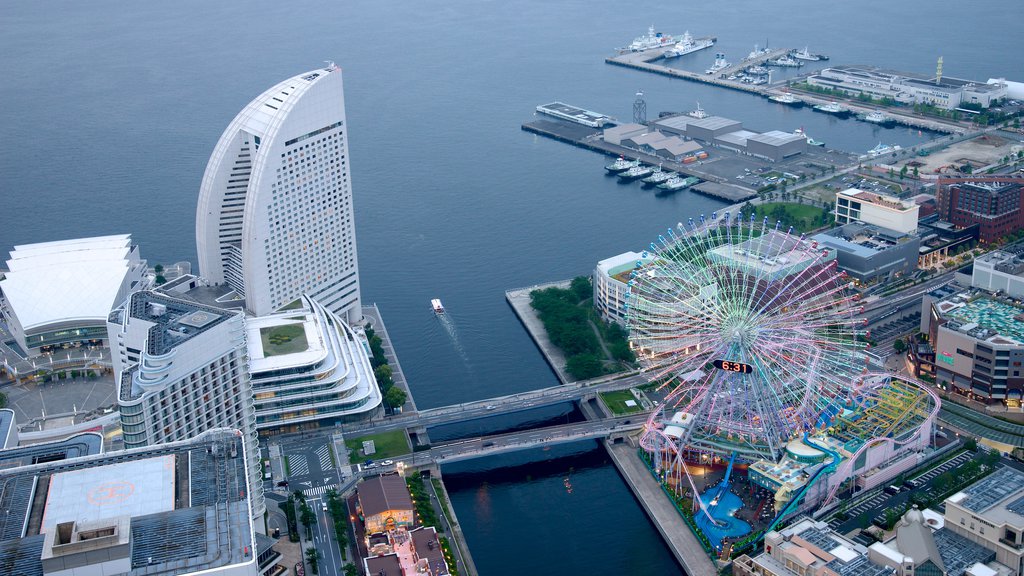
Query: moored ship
x=833, y=108
x=621, y=165
x=786, y=98
x=688, y=45
x=878, y=117
x=638, y=171
x=649, y=42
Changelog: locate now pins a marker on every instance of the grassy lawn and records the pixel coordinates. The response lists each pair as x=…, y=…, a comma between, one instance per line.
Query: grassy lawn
x=801, y=217
x=616, y=402
x=387, y=444
x=284, y=339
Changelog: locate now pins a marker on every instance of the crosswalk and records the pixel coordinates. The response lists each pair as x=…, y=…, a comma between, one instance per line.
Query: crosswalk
x=326, y=459
x=298, y=464
x=319, y=490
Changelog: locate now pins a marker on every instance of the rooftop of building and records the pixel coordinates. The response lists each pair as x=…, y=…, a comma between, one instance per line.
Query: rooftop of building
x=983, y=316
x=715, y=123
x=817, y=545
x=678, y=122
x=201, y=519
x=1005, y=262
x=739, y=137
x=283, y=340
x=175, y=320
x=68, y=280
x=884, y=201
x=428, y=549
x=386, y=565
x=6, y=424
x=999, y=498
x=382, y=493
x=776, y=137
x=946, y=84
x=773, y=252
x=863, y=240
x=620, y=266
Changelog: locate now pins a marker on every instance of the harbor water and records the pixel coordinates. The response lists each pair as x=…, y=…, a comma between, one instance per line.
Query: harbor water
x=111, y=110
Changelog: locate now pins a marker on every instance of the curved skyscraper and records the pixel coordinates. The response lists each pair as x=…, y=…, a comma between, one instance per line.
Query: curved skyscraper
x=275, y=217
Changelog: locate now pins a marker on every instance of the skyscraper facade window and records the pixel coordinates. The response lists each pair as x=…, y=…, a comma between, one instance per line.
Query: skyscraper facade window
x=275, y=216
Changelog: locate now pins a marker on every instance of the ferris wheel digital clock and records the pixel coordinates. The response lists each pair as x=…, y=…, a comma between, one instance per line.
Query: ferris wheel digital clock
x=729, y=366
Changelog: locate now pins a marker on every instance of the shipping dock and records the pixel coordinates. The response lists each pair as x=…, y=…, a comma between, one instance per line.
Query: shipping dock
x=590, y=139
x=570, y=113
x=646, y=61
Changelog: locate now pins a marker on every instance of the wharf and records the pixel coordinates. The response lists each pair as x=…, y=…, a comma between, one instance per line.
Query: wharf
x=857, y=107
x=590, y=139
x=645, y=61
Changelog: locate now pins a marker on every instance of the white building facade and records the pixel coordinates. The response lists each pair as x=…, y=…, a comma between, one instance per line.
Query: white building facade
x=609, y=279
x=999, y=271
x=181, y=370
x=320, y=375
x=275, y=215
x=855, y=205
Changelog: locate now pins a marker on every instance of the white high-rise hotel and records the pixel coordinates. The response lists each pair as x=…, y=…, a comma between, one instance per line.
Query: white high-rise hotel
x=274, y=220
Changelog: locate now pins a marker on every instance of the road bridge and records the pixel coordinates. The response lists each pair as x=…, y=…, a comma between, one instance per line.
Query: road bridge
x=507, y=404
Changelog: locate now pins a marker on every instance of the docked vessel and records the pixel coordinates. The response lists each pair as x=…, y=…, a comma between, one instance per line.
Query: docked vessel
x=786, y=98
x=678, y=183
x=883, y=149
x=720, y=64
x=649, y=42
x=621, y=165
x=810, y=141
x=878, y=117
x=658, y=176
x=805, y=55
x=759, y=70
x=688, y=45
x=757, y=52
x=638, y=171
x=699, y=113
x=436, y=305
x=785, y=62
x=833, y=108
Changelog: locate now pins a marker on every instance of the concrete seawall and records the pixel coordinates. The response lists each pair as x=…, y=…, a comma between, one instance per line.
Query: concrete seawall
x=661, y=510
x=519, y=300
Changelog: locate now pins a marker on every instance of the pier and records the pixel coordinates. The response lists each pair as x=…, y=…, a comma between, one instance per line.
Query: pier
x=590, y=139
x=646, y=61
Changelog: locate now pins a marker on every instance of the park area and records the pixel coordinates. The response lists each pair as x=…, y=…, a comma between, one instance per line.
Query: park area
x=386, y=445
x=283, y=339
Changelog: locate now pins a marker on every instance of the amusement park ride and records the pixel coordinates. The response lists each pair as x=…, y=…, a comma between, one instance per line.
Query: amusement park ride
x=756, y=338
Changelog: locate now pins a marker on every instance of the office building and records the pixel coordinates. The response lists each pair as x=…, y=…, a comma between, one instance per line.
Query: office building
x=275, y=216
x=991, y=513
x=178, y=508
x=56, y=296
x=995, y=204
x=978, y=340
x=908, y=88
x=308, y=368
x=999, y=272
x=868, y=253
x=180, y=369
x=854, y=205
x=610, y=278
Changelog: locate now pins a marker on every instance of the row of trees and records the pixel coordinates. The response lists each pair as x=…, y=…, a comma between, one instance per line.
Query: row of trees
x=424, y=509
x=394, y=396
x=571, y=322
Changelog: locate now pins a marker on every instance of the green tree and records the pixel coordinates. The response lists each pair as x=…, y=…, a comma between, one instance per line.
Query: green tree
x=971, y=444
x=915, y=172
x=160, y=280
x=3, y=400
x=899, y=346
x=395, y=397
x=313, y=558
x=383, y=375
x=581, y=288
x=307, y=518
x=351, y=570
x=584, y=366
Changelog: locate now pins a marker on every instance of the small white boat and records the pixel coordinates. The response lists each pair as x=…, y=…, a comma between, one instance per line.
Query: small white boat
x=436, y=305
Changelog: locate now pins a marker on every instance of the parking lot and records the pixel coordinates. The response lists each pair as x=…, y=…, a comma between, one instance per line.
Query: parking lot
x=879, y=501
